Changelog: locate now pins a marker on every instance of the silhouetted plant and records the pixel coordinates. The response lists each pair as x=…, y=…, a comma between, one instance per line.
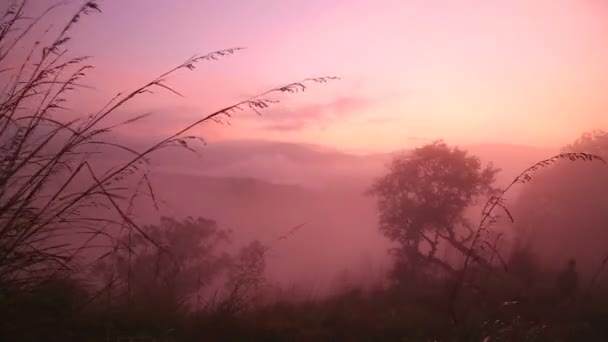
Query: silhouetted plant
x=574, y=214
x=489, y=216
x=422, y=202
x=48, y=187
x=54, y=204
x=245, y=277
x=190, y=259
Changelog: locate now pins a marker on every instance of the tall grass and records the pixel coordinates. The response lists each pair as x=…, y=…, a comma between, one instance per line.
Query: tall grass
x=489, y=216
x=49, y=190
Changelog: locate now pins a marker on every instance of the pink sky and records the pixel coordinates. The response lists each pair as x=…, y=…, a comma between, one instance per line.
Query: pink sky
x=469, y=71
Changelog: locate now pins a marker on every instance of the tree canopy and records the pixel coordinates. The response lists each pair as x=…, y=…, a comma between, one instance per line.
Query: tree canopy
x=422, y=201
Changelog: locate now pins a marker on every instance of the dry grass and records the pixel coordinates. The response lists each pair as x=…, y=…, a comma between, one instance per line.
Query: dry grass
x=49, y=190
x=489, y=217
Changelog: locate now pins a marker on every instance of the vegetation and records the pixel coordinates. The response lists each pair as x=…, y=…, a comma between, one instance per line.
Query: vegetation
x=56, y=206
x=422, y=202
x=576, y=203
x=76, y=266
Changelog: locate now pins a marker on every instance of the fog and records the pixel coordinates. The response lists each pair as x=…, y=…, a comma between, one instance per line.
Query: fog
x=303, y=171
x=261, y=190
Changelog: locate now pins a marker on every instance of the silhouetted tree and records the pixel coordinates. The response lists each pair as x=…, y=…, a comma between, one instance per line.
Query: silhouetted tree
x=188, y=257
x=422, y=202
x=246, y=275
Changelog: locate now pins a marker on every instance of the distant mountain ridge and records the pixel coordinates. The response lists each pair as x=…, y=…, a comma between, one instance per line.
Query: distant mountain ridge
x=261, y=190
x=312, y=165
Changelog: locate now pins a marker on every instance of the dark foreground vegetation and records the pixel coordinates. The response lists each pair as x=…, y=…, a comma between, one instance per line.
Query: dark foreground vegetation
x=75, y=265
x=62, y=309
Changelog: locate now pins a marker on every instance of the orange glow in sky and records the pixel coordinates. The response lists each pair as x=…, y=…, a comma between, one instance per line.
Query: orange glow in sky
x=517, y=71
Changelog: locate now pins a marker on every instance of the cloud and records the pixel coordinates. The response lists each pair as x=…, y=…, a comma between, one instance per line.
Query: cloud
x=302, y=117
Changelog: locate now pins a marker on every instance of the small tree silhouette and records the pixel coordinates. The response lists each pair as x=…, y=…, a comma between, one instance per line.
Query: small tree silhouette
x=191, y=258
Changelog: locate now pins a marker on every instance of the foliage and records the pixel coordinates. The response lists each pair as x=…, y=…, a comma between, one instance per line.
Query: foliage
x=422, y=202
x=55, y=204
x=563, y=214
x=490, y=216
x=190, y=258
x=49, y=189
x=245, y=278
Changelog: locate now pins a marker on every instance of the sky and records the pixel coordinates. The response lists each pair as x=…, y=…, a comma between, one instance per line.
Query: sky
x=411, y=71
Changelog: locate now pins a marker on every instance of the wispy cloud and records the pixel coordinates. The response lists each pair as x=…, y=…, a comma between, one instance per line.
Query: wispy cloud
x=282, y=119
